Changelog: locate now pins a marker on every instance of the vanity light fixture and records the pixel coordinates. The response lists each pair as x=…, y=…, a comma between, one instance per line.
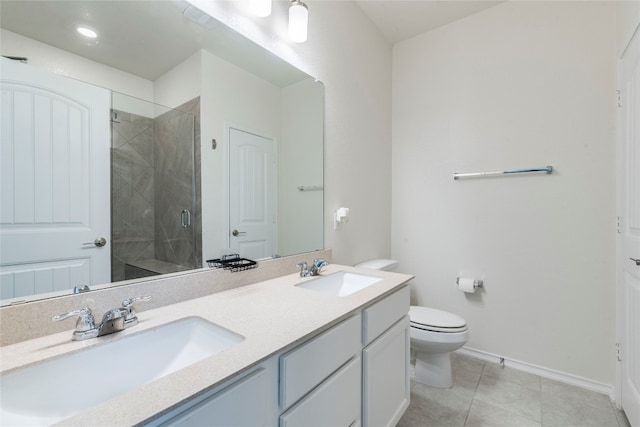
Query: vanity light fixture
x=87, y=32
x=298, y=21
x=261, y=8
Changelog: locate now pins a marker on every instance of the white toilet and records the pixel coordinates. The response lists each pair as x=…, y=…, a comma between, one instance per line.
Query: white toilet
x=434, y=335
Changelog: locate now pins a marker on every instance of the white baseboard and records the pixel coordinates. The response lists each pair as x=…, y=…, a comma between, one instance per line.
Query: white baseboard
x=541, y=371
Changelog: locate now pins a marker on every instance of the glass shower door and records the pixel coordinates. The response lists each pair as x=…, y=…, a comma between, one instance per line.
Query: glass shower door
x=153, y=194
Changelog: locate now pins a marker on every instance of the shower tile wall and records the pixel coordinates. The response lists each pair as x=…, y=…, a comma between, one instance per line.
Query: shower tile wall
x=174, y=187
x=132, y=191
x=152, y=181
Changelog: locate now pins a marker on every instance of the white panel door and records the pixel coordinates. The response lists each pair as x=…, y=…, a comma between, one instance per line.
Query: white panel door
x=54, y=195
x=629, y=230
x=252, y=195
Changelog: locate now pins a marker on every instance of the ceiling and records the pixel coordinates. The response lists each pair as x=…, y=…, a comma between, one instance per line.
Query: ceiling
x=172, y=31
x=399, y=20
x=170, y=35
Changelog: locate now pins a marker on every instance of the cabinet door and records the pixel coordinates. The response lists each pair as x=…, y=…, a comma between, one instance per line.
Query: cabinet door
x=306, y=366
x=335, y=402
x=386, y=383
x=244, y=403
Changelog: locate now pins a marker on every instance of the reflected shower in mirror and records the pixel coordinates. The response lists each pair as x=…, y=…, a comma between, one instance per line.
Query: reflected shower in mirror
x=215, y=195
x=153, y=189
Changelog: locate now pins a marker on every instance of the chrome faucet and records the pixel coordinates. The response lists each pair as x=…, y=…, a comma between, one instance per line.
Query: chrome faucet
x=114, y=320
x=314, y=270
x=318, y=265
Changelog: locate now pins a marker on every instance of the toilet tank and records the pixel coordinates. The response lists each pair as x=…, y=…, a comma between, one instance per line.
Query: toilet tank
x=379, y=264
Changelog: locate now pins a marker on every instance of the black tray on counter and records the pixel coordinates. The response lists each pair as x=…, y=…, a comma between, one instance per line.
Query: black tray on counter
x=232, y=263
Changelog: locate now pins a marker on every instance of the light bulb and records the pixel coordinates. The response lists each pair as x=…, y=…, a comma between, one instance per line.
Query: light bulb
x=87, y=32
x=298, y=21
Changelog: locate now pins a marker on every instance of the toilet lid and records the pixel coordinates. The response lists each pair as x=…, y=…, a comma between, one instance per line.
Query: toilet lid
x=432, y=319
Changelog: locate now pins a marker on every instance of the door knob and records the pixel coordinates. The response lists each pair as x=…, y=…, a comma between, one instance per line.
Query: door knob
x=238, y=233
x=99, y=242
x=637, y=261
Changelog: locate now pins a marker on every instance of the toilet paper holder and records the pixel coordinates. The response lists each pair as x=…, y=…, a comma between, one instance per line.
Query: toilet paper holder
x=477, y=283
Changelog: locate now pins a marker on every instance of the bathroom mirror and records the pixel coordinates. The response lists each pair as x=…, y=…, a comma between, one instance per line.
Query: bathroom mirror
x=150, y=38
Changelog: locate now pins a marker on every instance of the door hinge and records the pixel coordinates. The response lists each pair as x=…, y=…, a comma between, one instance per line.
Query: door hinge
x=619, y=98
x=618, y=225
x=619, y=352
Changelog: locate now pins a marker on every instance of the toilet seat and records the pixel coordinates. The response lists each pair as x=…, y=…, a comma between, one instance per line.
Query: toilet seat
x=434, y=320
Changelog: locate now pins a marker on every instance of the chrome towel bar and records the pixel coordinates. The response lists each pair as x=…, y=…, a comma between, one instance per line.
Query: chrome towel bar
x=546, y=169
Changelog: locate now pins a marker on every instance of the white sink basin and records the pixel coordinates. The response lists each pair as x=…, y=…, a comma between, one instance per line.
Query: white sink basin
x=51, y=391
x=340, y=284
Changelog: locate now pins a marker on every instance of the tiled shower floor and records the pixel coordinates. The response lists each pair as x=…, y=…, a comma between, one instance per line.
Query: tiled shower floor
x=486, y=395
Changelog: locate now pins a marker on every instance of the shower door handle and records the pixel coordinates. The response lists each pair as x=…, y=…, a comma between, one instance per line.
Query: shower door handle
x=185, y=218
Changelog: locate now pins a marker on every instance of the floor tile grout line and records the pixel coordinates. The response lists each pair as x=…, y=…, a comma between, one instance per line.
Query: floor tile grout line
x=518, y=414
x=475, y=390
x=541, y=402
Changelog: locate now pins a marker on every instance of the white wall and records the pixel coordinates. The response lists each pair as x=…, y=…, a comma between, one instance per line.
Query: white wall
x=522, y=84
x=348, y=54
x=59, y=61
x=230, y=96
x=627, y=21
x=180, y=84
x=300, y=163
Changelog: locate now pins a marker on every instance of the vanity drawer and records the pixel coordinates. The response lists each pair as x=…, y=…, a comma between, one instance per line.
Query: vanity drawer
x=336, y=402
x=308, y=365
x=381, y=315
x=229, y=406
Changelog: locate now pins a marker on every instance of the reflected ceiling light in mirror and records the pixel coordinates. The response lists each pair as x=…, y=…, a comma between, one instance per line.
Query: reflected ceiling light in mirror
x=298, y=21
x=87, y=32
x=261, y=8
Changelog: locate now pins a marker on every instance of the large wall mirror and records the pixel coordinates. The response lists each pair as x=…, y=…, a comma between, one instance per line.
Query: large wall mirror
x=209, y=145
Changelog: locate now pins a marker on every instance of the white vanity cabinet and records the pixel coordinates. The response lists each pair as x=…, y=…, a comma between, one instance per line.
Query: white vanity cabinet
x=335, y=402
x=250, y=400
x=323, y=376
x=385, y=360
x=307, y=365
x=354, y=374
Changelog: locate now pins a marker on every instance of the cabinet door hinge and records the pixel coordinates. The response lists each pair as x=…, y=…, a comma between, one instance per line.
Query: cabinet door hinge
x=619, y=352
x=619, y=98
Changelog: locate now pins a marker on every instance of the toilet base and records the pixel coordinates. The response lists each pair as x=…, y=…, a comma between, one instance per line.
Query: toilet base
x=434, y=369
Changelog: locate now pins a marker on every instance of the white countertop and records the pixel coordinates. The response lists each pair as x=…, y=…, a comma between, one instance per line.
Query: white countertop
x=272, y=315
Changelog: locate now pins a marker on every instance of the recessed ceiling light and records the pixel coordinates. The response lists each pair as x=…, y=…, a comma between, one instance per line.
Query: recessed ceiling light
x=87, y=32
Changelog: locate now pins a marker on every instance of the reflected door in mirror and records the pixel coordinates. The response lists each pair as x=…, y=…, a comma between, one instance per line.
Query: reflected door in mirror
x=55, y=182
x=252, y=195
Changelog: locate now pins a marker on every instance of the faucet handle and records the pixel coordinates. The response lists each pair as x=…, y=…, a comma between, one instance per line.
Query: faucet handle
x=85, y=326
x=130, y=317
x=129, y=301
x=304, y=269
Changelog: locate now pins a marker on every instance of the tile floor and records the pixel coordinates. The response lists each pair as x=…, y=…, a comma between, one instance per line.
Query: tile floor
x=485, y=395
